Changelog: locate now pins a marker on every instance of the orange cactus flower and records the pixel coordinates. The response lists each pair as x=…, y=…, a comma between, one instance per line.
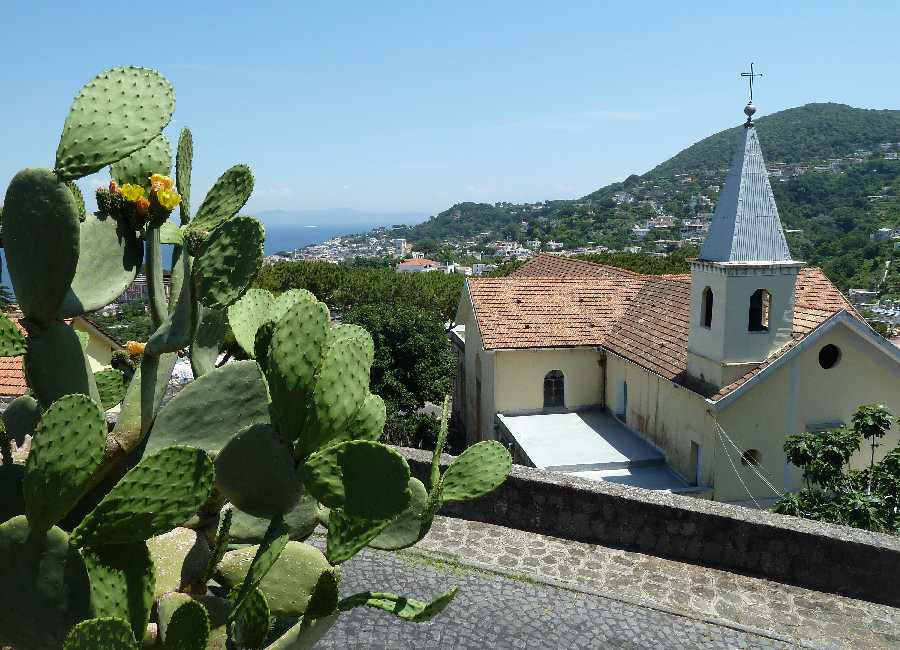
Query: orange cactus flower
x=159, y=181
x=135, y=348
x=168, y=198
x=132, y=192
x=143, y=205
x=113, y=187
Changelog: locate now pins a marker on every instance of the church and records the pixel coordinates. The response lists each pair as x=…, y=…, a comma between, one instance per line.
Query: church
x=687, y=383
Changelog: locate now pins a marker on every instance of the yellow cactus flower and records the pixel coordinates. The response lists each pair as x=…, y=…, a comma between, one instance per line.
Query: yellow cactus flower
x=162, y=181
x=135, y=348
x=131, y=192
x=168, y=198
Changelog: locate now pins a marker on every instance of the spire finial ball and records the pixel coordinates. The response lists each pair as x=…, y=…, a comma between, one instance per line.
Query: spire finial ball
x=749, y=109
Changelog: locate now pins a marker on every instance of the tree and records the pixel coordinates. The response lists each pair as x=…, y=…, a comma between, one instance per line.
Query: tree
x=414, y=363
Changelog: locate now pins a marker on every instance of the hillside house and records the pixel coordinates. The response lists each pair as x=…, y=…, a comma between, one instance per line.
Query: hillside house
x=688, y=383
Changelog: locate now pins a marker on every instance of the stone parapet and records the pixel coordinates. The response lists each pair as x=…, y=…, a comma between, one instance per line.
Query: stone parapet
x=811, y=554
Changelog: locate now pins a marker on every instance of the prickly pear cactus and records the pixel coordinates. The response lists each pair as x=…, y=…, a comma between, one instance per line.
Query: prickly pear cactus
x=129, y=538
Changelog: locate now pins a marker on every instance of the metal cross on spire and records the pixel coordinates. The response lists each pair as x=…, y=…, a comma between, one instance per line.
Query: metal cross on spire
x=751, y=74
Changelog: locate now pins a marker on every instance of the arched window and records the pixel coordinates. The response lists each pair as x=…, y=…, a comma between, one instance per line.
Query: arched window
x=707, y=307
x=759, y=311
x=554, y=389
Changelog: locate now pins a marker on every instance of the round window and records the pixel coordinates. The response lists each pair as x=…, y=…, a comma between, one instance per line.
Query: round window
x=829, y=356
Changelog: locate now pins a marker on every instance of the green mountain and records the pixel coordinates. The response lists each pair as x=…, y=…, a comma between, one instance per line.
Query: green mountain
x=814, y=132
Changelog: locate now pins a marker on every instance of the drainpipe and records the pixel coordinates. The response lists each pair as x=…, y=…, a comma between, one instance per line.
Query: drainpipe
x=602, y=363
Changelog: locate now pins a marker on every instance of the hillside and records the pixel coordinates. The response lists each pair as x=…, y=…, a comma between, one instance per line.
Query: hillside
x=835, y=175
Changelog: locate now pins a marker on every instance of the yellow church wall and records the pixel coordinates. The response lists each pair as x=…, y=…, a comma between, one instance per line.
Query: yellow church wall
x=519, y=377
x=98, y=351
x=668, y=416
x=764, y=416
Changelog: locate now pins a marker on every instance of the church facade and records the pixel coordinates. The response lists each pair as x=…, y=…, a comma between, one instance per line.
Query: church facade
x=711, y=370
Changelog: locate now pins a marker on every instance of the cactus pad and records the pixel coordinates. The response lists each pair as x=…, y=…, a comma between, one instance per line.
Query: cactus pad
x=177, y=330
x=183, y=623
x=56, y=346
x=255, y=625
x=21, y=417
x=12, y=341
x=366, y=424
x=347, y=535
x=212, y=408
x=406, y=608
x=40, y=237
x=225, y=198
x=264, y=558
x=101, y=128
x=44, y=587
x=162, y=491
x=12, y=504
x=247, y=314
x=301, y=520
x=103, y=632
x=180, y=557
x=155, y=158
x=406, y=529
x=183, y=160
x=111, y=386
x=229, y=261
x=476, y=471
x=304, y=634
x=66, y=450
x=109, y=260
x=289, y=585
x=212, y=329
x=255, y=471
x=366, y=479
x=122, y=582
x=287, y=300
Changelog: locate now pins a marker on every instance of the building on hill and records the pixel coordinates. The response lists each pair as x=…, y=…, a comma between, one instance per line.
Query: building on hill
x=417, y=265
x=688, y=383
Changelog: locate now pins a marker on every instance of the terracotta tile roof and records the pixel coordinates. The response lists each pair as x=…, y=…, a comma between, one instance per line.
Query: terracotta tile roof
x=643, y=318
x=419, y=261
x=12, y=379
x=544, y=265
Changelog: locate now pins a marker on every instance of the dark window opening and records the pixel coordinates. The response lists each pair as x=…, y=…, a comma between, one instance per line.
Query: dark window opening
x=707, y=307
x=829, y=356
x=554, y=389
x=759, y=311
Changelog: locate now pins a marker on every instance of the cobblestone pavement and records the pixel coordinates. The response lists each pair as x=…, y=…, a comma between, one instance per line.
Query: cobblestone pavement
x=522, y=590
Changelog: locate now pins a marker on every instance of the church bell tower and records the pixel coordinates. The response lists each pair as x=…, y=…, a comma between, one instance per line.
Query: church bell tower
x=744, y=282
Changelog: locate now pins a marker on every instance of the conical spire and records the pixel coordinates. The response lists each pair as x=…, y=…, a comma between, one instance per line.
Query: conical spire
x=746, y=226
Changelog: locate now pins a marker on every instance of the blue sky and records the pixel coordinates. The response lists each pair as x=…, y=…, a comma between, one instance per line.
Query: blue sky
x=413, y=106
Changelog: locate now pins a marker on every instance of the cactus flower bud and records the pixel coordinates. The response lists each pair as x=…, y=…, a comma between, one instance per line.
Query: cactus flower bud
x=143, y=205
x=113, y=187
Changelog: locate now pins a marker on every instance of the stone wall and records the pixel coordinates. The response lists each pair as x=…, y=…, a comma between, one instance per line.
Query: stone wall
x=807, y=553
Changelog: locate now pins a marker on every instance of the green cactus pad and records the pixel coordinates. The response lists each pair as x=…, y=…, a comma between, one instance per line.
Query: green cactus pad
x=324, y=599
x=169, y=233
x=406, y=608
x=366, y=479
x=154, y=158
x=347, y=535
x=66, y=450
x=295, y=351
x=79, y=200
x=183, y=162
x=220, y=542
x=40, y=236
x=122, y=582
x=247, y=314
x=351, y=331
x=117, y=112
x=406, y=529
x=183, y=623
x=341, y=388
x=44, y=587
x=212, y=329
x=289, y=585
x=103, y=632
x=177, y=330
x=229, y=261
x=144, y=395
x=255, y=471
x=56, y=346
x=109, y=261
x=225, y=198
x=212, y=408
x=180, y=557
x=21, y=417
x=13, y=503
x=264, y=558
x=476, y=471
x=366, y=424
x=12, y=341
x=162, y=491
x=255, y=626
x=286, y=300
x=305, y=634
x=111, y=386
x=301, y=520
